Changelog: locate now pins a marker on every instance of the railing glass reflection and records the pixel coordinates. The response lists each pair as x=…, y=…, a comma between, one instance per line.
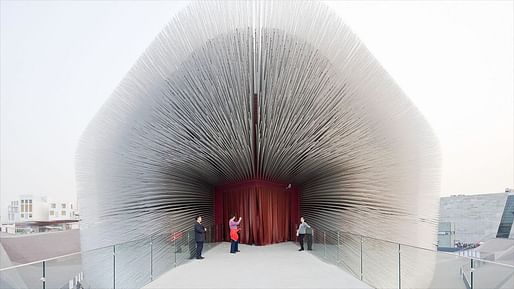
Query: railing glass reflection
x=386, y=264
x=151, y=256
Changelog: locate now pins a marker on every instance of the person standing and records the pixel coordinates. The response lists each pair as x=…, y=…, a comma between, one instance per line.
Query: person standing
x=300, y=233
x=199, y=237
x=234, y=237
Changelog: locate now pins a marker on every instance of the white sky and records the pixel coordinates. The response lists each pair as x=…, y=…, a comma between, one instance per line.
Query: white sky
x=59, y=61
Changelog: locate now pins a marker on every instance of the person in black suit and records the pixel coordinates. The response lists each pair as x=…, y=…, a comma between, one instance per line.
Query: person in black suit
x=199, y=237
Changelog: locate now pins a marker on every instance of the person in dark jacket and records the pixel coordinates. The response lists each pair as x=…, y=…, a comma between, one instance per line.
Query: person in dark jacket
x=199, y=237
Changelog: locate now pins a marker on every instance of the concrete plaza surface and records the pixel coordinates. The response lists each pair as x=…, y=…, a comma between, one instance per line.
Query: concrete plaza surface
x=274, y=266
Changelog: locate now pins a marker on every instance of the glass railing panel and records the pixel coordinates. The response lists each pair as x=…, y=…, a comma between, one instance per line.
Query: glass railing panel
x=380, y=262
x=350, y=253
x=209, y=237
x=64, y=272
x=27, y=276
x=98, y=268
x=465, y=272
x=90, y=269
x=423, y=268
x=318, y=243
x=185, y=247
x=332, y=253
x=133, y=264
x=488, y=275
x=308, y=241
x=163, y=254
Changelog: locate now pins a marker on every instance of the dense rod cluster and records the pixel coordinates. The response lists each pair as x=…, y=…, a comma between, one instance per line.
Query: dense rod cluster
x=328, y=119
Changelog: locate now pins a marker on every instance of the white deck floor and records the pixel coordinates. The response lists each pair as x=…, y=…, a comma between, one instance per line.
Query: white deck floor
x=274, y=266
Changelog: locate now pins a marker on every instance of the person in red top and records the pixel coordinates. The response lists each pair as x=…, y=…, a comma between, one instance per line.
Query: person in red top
x=234, y=237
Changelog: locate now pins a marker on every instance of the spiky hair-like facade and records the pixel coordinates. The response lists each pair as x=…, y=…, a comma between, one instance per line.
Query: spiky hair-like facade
x=329, y=119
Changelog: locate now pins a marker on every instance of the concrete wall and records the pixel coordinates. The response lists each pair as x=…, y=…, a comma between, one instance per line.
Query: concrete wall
x=476, y=217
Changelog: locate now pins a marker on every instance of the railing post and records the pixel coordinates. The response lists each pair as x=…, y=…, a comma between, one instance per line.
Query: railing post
x=175, y=248
x=471, y=274
x=114, y=266
x=399, y=268
x=43, y=278
x=151, y=258
x=337, y=247
x=210, y=236
x=325, y=244
x=361, y=257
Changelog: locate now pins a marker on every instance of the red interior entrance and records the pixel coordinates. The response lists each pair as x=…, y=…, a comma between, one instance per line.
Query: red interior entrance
x=269, y=211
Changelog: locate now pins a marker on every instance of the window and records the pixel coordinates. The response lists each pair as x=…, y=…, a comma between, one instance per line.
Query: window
x=52, y=205
x=71, y=206
x=30, y=207
x=30, y=215
x=63, y=213
x=507, y=218
x=52, y=213
x=30, y=201
x=22, y=215
x=63, y=206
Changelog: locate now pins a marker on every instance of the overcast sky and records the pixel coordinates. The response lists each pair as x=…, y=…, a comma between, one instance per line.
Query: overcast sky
x=59, y=62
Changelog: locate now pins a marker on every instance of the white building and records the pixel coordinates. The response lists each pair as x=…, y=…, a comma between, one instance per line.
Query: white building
x=13, y=212
x=31, y=213
x=29, y=208
x=62, y=210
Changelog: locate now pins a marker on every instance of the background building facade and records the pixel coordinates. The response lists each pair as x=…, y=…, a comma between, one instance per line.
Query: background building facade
x=475, y=218
x=33, y=213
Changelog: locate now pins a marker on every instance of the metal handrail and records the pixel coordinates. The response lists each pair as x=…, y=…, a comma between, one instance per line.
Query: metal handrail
x=40, y=261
